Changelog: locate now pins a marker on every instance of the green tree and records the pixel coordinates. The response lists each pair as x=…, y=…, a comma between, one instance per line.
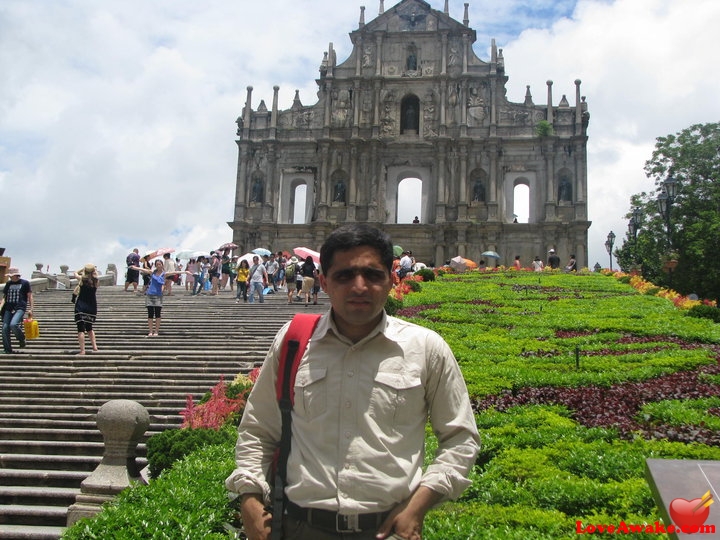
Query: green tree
x=692, y=158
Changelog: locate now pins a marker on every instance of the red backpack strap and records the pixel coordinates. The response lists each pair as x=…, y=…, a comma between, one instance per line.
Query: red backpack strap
x=293, y=346
x=296, y=339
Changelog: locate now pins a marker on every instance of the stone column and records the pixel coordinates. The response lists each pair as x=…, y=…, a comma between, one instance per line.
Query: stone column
x=352, y=188
x=248, y=113
x=549, y=102
x=240, y=182
x=274, y=117
x=440, y=209
x=462, y=195
x=443, y=65
x=122, y=423
x=271, y=206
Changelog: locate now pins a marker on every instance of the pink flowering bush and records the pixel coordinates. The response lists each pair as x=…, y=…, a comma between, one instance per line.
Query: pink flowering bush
x=223, y=405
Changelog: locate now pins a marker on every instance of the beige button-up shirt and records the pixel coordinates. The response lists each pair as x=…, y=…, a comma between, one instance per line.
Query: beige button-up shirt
x=358, y=424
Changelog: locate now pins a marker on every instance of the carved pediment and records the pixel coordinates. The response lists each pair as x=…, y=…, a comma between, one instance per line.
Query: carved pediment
x=413, y=16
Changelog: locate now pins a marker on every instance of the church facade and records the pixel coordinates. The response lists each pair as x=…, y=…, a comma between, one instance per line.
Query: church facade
x=413, y=101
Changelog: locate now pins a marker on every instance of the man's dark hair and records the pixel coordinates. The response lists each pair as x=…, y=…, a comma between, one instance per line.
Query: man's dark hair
x=352, y=236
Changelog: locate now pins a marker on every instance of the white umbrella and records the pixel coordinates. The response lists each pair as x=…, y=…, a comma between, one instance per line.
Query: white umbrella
x=458, y=263
x=185, y=254
x=247, y=257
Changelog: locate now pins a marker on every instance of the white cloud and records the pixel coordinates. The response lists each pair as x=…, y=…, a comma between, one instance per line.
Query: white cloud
x=117, y=119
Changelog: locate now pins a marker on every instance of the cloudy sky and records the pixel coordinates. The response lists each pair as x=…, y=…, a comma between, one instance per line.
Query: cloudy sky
x=117, y=118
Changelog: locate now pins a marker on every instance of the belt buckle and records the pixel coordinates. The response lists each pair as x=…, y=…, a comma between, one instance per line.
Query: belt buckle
x=347, y=523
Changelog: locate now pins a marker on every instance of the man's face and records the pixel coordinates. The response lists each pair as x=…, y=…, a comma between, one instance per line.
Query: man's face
x=358, y=285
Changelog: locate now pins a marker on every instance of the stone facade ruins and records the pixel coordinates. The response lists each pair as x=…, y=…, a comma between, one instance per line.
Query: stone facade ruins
x=414, y=101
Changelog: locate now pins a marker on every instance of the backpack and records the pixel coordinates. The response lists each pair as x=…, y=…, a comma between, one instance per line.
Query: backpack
x=293, y=346
x=290, y=272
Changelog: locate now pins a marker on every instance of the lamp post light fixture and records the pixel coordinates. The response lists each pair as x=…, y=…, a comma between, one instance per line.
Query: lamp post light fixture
x=634, y=223
x=609, y=245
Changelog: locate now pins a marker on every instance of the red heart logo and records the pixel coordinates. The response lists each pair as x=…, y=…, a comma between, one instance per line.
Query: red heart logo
x=687, y=514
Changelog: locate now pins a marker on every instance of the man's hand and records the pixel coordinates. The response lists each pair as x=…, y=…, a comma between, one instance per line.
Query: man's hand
x=256, y=520
x=406, y=519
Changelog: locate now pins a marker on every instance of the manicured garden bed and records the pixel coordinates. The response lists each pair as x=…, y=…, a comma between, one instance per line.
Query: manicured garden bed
x=575, y=380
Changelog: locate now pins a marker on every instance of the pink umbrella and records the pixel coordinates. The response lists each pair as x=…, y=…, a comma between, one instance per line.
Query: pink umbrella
x=158, y=252
x=229, y=246
x=304, y=252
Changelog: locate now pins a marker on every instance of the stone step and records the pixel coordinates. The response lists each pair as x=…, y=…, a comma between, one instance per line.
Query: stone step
x=49, y=396
x=26, y=532
x=28, y=495
x=55, y=447
x=41, y=477
x=52, y=516
x=55, y=462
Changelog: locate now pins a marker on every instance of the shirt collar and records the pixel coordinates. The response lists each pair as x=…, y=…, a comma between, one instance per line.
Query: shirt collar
x=327, y=324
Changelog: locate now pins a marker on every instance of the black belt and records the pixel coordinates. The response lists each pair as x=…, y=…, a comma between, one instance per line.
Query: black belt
x=333, y=521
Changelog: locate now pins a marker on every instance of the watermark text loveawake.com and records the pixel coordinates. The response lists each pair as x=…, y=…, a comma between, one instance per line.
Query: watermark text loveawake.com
x=656, y=528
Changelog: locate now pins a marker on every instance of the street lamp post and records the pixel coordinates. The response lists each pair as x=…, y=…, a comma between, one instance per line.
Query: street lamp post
x=609, y=245
x=633, y=228
x=665, y=201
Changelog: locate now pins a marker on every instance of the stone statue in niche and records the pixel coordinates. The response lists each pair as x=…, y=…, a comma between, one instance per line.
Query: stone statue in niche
x=257, y=191
x=478, y=193
x=453, y=60
x=367, y=57
x=339, y=192
x=412, y=61
x=411, y=117
x=429, y=118
x=452, y=104
x=564, y=190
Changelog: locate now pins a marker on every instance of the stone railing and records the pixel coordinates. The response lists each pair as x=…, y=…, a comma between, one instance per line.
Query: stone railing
x=41, y=281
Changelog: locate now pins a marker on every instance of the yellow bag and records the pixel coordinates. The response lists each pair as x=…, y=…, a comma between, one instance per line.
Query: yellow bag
x=32, y=328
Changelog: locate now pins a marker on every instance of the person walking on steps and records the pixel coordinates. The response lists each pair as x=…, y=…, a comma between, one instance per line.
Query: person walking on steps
x=365, y=387
x=86, y=305
x=17, y=301
x=258, y=280
x=242, y=275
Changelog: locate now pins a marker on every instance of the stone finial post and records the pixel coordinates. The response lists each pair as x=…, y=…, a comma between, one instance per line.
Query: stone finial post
x=112, y=270
x=122, y=423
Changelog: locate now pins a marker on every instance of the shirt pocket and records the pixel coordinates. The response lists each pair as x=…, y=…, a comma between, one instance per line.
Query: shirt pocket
x=311, y=392
x=398, y=397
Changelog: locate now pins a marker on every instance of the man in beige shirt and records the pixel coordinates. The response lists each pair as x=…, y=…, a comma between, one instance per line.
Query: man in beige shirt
x=364, y=390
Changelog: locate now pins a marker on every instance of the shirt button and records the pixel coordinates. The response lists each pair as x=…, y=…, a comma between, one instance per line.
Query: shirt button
x=347, y=466
x=351, y=373
x=348, y=404
x=347, y=435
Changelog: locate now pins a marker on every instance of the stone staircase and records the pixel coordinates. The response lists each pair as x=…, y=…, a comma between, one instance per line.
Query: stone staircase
x=49, y=395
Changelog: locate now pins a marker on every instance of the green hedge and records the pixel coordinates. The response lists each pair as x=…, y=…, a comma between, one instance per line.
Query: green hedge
x=187, y=502
x=167, y=447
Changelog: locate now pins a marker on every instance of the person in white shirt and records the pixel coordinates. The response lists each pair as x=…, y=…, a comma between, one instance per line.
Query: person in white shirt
x=365, y=387
x=272, y=268
x=258, y=280
x=406, y=263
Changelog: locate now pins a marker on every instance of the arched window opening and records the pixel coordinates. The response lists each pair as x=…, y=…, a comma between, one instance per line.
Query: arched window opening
x=521, y=202
x=297, y=204
x=409, y=197
x=410, y=115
